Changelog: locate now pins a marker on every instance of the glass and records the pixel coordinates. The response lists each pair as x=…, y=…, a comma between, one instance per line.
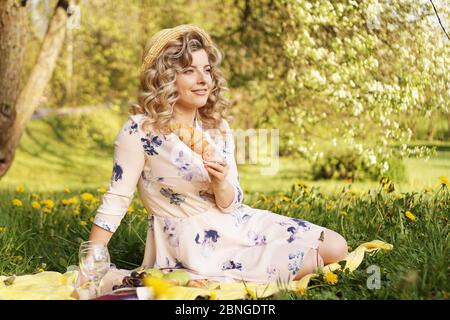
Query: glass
x=94, y=262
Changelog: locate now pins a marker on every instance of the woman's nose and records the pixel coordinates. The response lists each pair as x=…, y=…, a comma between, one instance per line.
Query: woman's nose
x=200, y=77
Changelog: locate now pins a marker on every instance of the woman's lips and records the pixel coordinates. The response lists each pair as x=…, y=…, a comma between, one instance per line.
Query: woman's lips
x=200, y=92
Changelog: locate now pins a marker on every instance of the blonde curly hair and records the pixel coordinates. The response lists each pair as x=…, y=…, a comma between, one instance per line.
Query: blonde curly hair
x=158, y=94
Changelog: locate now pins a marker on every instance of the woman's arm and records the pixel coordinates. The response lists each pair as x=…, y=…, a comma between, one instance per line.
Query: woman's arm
x=228, y=192
x=99, y=235
x=224, y=194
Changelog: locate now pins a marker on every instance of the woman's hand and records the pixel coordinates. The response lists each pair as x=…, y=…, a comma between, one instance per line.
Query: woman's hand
x=217, y=172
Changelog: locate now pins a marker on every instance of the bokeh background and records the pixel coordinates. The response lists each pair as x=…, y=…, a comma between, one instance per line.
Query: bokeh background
x=359, y=90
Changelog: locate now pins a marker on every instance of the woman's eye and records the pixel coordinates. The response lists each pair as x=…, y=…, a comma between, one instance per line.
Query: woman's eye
x=188, y=71
x=208, y=70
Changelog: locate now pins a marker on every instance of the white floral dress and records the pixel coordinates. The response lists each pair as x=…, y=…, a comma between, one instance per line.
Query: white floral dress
x=186, y=227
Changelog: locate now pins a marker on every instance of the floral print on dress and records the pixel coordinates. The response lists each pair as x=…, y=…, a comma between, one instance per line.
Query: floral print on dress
x=207, y=196
x=132, y=128
x=257, y=239
x=187, y=170
x=169, y=264
x=104, y=224
x=295, y=261
x=175, y=198
x=239, y=194
x=117, y=172
x=294, y=227
x=150, y=143
x=240, y=215
x=151, y=222
x=171, y=231
x=231, y=264
x=271, y=272
x=210, y=237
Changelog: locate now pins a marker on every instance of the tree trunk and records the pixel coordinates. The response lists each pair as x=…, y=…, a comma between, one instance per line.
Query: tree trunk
x=12, y=50
x=30, y=95
x=431, y=128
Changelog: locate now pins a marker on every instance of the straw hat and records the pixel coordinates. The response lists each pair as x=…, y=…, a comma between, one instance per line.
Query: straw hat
x=158, y=41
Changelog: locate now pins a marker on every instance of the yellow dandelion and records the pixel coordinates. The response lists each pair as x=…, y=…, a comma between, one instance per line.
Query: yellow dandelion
x=35, y=204
x=212, y=295
x=3, y=229
x=17, y=258
x=410, y=215
x=46, y=210
x=284, y=198
x=39, y=270
x=101, y=190
x=301, y=291
x=301, y=184
x=72, y=200
x=144, y=211
x=83, y=223
x=331, y=278
x=87, y=196
x=161, y=287
x=17, y=202
x=444, y=180
x=329, y=206
x=76, y=210
x=65, y=202
x=66, y=190
x=48, y=203
x=295, y=205
x=342, y=214
x=20, y=188
x=250, y=293
x=130, y=209
x=91, y=219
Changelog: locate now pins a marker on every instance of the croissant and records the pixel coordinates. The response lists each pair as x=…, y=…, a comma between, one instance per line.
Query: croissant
x=197, y=140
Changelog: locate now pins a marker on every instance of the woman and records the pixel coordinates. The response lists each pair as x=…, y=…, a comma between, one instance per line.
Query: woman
x=178, y=150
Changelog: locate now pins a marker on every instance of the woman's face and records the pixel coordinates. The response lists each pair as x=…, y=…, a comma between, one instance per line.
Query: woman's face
x=194, y=84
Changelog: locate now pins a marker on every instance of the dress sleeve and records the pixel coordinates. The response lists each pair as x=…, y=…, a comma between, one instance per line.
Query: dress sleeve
x=233, y=175
x=129, y=159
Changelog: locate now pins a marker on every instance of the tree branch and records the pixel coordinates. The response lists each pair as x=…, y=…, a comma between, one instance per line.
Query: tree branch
x=439, y=19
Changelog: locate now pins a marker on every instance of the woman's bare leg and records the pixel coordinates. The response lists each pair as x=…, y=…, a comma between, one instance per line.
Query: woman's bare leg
x=333, y=248
x=311, y=263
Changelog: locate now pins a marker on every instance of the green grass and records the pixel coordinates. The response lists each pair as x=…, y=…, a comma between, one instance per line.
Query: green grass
x=34, y=239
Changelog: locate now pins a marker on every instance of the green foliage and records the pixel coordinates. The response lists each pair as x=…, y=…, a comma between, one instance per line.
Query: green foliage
x=344, y=164
x=92, y=130
x=396, y=171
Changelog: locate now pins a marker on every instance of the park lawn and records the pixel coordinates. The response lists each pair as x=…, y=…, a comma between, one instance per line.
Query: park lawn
x=42, y=231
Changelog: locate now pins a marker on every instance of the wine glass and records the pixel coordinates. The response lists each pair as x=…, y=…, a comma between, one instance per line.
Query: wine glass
x=94, y=262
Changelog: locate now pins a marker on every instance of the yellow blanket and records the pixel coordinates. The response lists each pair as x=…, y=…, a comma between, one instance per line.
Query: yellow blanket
x=49, y=285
